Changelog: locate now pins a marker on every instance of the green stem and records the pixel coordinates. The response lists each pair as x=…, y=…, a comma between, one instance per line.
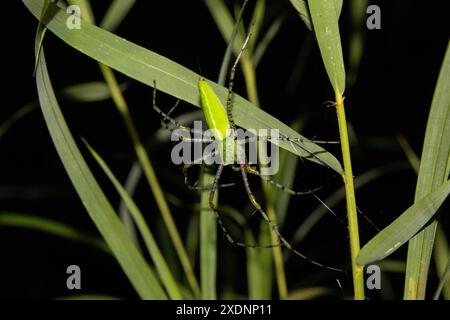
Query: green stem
x=208, y=240
x=277, y=254
x=149, y=173
x=357, y=271
x=252, y=92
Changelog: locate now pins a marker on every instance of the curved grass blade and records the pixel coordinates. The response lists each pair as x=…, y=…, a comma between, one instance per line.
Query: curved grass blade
x=172, y=78
x=161, y=265
x=40, y=32
x=441, y=249
x=326, y=28
x=146, y=164
x=433, y=172
x=56, y=228
x=97, y=205
x=388, y=240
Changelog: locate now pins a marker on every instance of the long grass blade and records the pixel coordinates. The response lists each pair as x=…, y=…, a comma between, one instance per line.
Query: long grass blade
x=388, y=240
x=100, y=210
x=161, y=265
x=441, y=249
x=433, y=172
x=326, y=28
x=172, y=78
x=144, y=160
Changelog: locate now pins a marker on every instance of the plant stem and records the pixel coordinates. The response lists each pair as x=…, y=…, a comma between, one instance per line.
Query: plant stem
x=149, y=173
x=208, y=240
x=252, y=91
x=357, y=271
x=277, y=254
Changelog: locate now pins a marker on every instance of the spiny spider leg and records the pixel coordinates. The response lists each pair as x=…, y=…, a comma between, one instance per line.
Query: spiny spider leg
x=213, y=208
x=194, y=186
x=274, y=226
x=254, y=171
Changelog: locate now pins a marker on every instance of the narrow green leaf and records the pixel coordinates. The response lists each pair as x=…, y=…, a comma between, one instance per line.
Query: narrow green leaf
x=100, y=210
x=302, y=7
x=326, y=28
x=172, y=78
x=433, y=172
x=404, y=227
x=152, y=246
x=52, y=227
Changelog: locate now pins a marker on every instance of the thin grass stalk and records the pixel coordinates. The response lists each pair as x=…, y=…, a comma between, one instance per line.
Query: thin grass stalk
x=252, y=92
x=357, y=271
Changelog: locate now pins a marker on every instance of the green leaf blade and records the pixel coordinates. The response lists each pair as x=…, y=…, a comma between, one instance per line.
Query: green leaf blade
x=152, y=246
x=100, y=210
x=326, y=28
x=433, y=172
x=404, y=227
x=146, y=66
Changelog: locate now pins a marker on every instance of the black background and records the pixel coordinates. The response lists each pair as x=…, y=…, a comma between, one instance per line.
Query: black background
x=392, y=95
